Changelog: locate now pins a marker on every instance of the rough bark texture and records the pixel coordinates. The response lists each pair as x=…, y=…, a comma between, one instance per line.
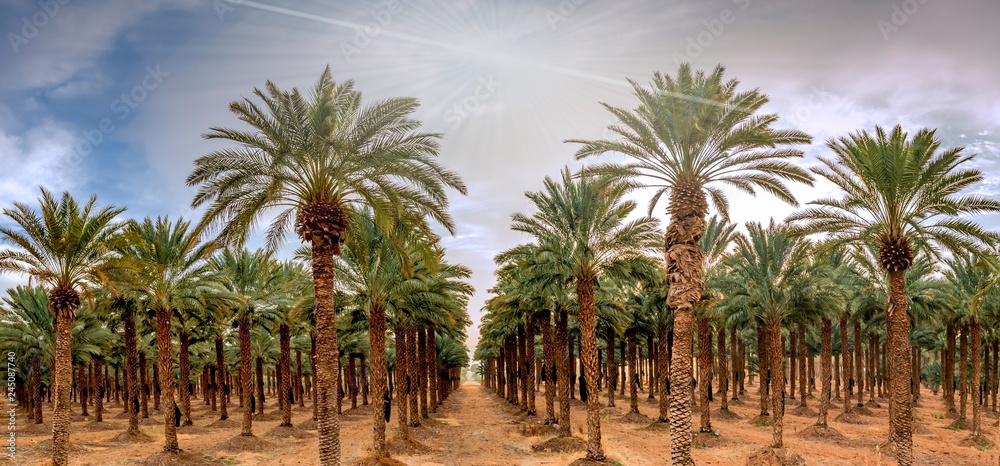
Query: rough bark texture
x=99, y=388
x=422, y=369
x=411, y=369
x=963, y=371
x=826, y=350
x=859, y=377
x=898, y=335
x=723, y=370
x=685, y=265
x=974, y=336
x=399, y=399
x=36, y=388
x=259, y=401
x=529, y=370
x=284, y=375
x=246, y=376
x=144, y=385
x=845, y=352
x=62, y=373
x=802, y=366
x=663, y=373
x=588, y=348
x=562, y=365
x=948, y=369
x=633, y=374
x=185, y=382
x=774, y=349
x=166, y=349
x=376, y=344
x=705, y=373
x=220, y=380
x=327, y=354
x=612, y=366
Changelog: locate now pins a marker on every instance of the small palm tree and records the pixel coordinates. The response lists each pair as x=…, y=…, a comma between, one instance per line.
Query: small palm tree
x=29, y=329
x=321, y=159
x=901, y=193
x=688, y=133
x=582, y=224
x=64, y=245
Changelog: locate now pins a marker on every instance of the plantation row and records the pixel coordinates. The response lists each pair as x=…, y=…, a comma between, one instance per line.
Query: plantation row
x=892, y=270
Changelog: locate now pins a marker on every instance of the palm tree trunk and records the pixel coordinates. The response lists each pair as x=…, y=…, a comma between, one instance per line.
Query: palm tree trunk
x=144, y=386
x=131, y=364
x=529, y=369
x=948, y=370
x=411, y=370
x=974, y=335
x=612, y=366
x=775, y=348
x=633, y=373
x=82, y=389
x=705, y=358
x=220, y=380
x=826, y=350
x=185, y=385
x=845, y=353
x=859, y=377
x=792, y=366
x=435, y=374
x=723, y=369
x=963, y=370
x=402, y=384
x=764, y=386
x=260, y=385
x=36, y=388
x=246, y=375
x=299, y=391
x=376, y=345
x=285, y=374
x=166, y=349
x=62, y=377
x=900, y=401
x=548, y=367
x=588, y=349
x=327, y=355
x=422, y=370
x=98, y=389
x=663, y=372
x=802, y=366
x=562, y=367
x=157, y=390
x=651, y=359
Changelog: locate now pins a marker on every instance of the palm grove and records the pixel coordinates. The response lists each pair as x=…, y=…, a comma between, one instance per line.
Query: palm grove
x=156, y=312
x=872, y=282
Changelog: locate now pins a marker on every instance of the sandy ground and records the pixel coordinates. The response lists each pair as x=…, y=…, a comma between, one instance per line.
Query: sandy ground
x=474, y=427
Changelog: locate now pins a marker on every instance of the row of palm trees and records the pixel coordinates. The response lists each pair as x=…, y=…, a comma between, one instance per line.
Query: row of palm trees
x=905, y=207
x=359, y=185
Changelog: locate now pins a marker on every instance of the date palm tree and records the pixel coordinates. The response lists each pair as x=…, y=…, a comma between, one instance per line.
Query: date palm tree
x=28, y=328
x=582, y=224
x=319, y=160
x=689, y=133
x=65, y=246
x=170, y=271
x=900, y=193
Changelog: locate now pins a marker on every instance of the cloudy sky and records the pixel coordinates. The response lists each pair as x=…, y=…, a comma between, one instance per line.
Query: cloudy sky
x=111, y=97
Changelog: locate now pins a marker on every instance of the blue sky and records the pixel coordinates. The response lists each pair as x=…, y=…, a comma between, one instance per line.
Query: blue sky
x=507, y=81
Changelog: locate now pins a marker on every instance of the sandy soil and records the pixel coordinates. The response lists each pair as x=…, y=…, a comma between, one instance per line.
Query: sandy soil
x=474, y=427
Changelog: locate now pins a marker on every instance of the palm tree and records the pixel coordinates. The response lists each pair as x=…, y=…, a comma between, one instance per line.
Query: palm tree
x=688, y=133
x=581, y=223
x=249, y=278
x=900, y=194
x=64, y=245
x=28, y=329
x=319, y=160
x=169, y=272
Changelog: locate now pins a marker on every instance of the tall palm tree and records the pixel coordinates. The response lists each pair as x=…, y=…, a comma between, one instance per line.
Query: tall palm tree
x=64, y=245
x=168, y=259
x=28, y=329
x=320, y=159
x=901, y=193
x=688, y=133
x=581, y=223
